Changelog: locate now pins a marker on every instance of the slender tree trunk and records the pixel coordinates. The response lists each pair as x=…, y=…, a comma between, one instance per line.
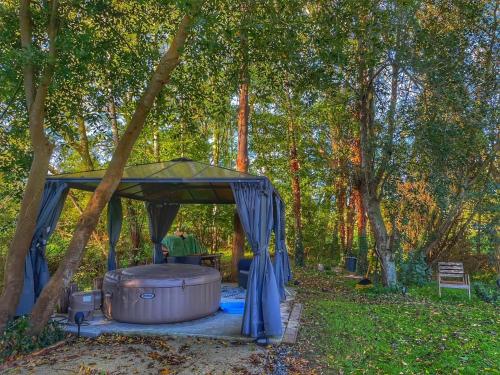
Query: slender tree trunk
x=361, y=216
x=338, y=238
x=42, y=152
x=350, y=222
x=102, y=194
x=478, y=236
x=238, y=250
x=362, y=239
x=156, y=146
x=369, y=178
x=114, y=121
x=341, y=204
x=293, y=160
x=296, y=192
x=134, y=229
x=215, y=159
x=335, y=240
x=83, y=147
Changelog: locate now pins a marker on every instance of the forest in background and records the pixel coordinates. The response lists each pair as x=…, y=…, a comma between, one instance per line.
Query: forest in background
x=377, y=121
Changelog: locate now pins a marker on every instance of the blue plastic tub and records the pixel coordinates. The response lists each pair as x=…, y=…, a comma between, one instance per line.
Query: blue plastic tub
x=233, y=307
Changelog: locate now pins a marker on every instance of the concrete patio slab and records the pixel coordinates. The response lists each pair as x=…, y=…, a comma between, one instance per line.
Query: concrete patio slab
x=220, y=325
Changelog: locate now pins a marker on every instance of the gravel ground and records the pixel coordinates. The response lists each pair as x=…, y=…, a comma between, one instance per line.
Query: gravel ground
x=279, y=361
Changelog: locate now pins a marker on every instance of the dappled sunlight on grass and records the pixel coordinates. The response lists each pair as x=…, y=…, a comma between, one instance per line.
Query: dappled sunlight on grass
x=382, y=331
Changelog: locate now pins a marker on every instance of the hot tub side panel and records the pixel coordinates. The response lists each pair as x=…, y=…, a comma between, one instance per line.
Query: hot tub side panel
x=150, y=305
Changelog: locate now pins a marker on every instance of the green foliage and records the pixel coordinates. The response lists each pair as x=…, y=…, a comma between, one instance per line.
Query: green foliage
x=380, y=290
x=16, y=339
x=413, y=270
x=304, y=64
x=373, y=332
x=487, y=293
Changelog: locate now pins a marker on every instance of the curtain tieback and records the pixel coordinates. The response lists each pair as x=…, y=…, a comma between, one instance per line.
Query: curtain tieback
x=259, y=251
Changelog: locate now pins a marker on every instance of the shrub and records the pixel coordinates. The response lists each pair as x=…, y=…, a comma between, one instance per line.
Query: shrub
x=16, y=340
x=487, y=293
x=414, y=270
x=379, y=290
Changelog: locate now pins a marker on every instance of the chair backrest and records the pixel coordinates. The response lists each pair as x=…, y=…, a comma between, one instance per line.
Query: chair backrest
x=451, y=269
x=188, y=259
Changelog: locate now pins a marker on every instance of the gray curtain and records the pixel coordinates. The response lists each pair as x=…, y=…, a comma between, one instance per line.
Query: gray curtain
x=161, y=216
x=281, y=261
x=254, y=202
x=115, y=218
x=36, y=271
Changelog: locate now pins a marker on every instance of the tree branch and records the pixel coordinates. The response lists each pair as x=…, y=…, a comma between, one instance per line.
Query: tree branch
x=389, y=142
x=37, y=108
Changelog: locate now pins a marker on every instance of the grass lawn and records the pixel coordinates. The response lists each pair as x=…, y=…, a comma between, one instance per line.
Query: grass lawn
x=374, y=331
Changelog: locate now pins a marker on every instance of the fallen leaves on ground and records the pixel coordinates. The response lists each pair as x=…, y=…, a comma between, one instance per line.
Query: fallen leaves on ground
x=378, y=331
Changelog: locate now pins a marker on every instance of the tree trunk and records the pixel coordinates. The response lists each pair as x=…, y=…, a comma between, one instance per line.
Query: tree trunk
x=350, y=223
x=238, y=250
x=102, y=194
x=372, y=204
x=341, y=203
x=362, y=239
x=294, y=164
x=25, y=227
x=134, y=229
x=389, y=275
x=361, y=216
x=369, y=179
x=156, y=146
x=215, y=160
x=384, y=244
x=42, y=152
x=114, y=121
x=478, y=235
x=83, y=147
x=296, y=193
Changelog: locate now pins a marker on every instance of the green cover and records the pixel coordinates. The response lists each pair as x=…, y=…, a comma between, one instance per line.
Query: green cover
x=179, y=246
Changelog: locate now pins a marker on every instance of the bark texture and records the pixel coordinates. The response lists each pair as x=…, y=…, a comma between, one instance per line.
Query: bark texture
x=370, y=178
x=296, y=191
x=134, y=229
x=83, y=147
x=35, y=97
x=88, y=220
x=238, y=250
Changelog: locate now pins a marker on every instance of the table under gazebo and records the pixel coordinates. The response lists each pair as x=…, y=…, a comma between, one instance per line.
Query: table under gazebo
x=164, y=187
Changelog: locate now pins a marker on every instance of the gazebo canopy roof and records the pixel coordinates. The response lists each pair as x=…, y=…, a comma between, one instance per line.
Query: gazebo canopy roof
x=175, y=181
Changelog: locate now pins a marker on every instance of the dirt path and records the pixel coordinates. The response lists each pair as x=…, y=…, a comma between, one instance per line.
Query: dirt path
x=148, y=355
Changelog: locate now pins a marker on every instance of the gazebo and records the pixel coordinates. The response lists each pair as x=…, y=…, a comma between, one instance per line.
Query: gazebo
x=164, y=187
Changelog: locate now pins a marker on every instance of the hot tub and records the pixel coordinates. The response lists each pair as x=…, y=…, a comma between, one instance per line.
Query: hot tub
x=161, y=293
